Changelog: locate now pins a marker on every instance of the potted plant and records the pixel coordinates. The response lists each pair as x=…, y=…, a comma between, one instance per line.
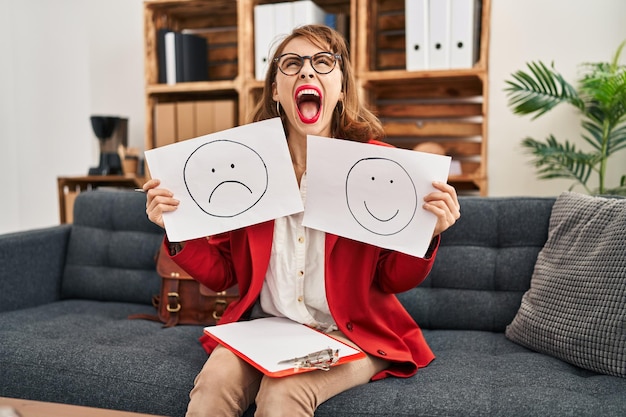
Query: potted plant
x=600, y=97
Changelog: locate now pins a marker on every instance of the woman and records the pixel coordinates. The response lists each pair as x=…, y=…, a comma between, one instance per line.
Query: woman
x=334, y=284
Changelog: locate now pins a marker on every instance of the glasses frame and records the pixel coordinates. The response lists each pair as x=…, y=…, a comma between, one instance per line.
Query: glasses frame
x=337, y=57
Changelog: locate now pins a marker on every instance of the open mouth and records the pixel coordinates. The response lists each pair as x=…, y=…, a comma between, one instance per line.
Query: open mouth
x=309, y=102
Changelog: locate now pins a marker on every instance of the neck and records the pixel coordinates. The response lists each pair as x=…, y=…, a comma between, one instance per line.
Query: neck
x=297, y=151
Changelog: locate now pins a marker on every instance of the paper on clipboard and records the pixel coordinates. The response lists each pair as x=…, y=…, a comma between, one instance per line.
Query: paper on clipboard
x=267, y=343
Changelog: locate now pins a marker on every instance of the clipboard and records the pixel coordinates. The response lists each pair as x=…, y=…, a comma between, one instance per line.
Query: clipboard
x=280, y=347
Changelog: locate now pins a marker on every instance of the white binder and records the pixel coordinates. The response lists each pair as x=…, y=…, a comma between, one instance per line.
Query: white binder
x=263, y=35
x=306, y=12
x=439, y=34
x=463, y=29
x=170, y=58
x=283, y=23
x=416, y=32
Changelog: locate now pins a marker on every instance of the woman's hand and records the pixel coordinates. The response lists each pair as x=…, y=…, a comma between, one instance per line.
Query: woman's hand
x=444, y=204
x=158, y=201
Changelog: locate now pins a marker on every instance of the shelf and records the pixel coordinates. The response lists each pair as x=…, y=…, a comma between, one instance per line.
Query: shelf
x=193, y=87
x=399, y=76
x=444, y=106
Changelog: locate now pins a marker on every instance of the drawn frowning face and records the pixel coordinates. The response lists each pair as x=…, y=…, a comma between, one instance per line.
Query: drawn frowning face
x=381, y=195
x=225, y=178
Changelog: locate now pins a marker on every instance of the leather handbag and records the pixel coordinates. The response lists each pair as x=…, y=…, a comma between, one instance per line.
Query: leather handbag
x=183, y=300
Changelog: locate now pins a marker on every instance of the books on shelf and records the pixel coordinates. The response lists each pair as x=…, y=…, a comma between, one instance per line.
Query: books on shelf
x=442, y=34
x=181, y=57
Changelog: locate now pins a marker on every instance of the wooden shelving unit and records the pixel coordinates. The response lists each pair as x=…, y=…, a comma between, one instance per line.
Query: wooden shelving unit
x=445, y=106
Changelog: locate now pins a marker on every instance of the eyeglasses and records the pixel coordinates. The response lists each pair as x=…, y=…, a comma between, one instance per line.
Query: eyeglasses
x=321, y=62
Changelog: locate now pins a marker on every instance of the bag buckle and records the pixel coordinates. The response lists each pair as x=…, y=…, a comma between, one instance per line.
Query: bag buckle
x=222, y=306
x=170, y=305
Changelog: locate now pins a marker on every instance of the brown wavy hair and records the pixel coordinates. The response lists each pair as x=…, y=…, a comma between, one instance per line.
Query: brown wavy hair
x=351, y=120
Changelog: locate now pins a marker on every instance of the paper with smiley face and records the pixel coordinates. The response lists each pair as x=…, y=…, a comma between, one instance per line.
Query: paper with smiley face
x=227, y=180
x=372, y=193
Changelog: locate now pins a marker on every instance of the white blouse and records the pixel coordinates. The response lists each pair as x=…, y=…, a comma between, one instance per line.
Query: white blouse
x=294, y=283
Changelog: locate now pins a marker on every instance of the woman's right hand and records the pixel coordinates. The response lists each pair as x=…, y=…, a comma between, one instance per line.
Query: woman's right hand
x=158, y=201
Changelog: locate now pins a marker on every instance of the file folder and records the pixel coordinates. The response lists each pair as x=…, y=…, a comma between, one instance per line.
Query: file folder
x=463, y=29
x=263, y=34
x=416, y=32
x=439, y=34
x=306, y=12
x=278, y=346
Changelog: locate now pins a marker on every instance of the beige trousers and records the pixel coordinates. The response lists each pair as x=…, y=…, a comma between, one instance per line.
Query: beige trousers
x=227, y=385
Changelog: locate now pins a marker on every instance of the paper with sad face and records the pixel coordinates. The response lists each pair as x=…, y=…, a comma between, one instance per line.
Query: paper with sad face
x=227, y=180
x=372, y=193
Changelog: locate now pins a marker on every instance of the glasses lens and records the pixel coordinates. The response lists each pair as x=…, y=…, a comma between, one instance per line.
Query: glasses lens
x=290, y=64
x=322, y=63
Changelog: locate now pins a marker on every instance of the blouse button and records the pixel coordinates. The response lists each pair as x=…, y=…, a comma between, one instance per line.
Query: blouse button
x=300, y=299
x=382, y=352
x=300, y=239
x=349, y=326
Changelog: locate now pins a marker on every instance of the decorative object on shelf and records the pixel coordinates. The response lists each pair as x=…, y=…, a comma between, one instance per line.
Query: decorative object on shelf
x=601, y=100
x=112, y=133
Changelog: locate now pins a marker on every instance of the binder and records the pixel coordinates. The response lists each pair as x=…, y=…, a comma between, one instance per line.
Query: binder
x=306, y=12
x=162, y=79
x=164, y=124
x=416, y=32
x=439, y=34
x=185, y=120
x=194, y=56
x=463, y=30
x=170, y=57
x=279, y=347
x=283, y=23
x=263, y=34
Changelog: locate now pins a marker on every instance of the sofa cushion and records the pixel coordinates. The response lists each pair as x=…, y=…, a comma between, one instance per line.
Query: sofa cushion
x=87, y=352
x=575, y=308
x=483, y=266
x=112, y=257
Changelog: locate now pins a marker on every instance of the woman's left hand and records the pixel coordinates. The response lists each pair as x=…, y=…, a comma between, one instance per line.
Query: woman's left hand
x=444, y=204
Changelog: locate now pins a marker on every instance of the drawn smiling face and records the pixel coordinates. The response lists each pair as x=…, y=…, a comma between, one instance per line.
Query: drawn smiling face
x=381, y=195
x=225, y=178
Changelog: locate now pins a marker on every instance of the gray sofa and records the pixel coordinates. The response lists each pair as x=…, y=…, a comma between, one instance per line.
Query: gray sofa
x=66, y=293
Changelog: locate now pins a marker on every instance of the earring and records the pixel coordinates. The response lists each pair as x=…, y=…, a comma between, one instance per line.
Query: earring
x=278, y=107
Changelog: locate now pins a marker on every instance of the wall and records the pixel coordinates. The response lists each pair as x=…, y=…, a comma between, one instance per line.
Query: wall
x=568, y=33
x=65, y=60
x=62, y=62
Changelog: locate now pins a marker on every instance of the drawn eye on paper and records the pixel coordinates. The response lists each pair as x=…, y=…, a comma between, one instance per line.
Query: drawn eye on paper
x=225, y=178
x=381, y=195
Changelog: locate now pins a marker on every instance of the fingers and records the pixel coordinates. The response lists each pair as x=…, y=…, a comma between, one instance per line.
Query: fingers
x=158, y=201
x=444, y=204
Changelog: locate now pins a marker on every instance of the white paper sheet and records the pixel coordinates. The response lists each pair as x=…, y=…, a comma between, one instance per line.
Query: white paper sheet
x=227, y=180
x=372, y=193
x=266, y=342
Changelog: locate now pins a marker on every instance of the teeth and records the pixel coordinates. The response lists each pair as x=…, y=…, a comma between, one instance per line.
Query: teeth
x=308, y=91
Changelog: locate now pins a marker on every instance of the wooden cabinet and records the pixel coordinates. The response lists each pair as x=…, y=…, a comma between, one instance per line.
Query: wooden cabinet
x=448, y=107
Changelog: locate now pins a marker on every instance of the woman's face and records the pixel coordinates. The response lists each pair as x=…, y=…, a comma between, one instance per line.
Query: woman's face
x=308, y=99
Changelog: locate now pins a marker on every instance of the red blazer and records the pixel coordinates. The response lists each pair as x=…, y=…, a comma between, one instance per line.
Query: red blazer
x=360, y=279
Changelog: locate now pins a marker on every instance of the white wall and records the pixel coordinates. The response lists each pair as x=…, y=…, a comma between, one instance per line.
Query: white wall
x=65, y=60
x=62, y=61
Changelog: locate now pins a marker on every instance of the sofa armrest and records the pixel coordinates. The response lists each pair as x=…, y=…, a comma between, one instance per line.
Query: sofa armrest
x=32, y=266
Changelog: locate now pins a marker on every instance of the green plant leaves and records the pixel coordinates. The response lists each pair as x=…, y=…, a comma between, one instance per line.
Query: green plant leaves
x=601, y=100
x=539, y=91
